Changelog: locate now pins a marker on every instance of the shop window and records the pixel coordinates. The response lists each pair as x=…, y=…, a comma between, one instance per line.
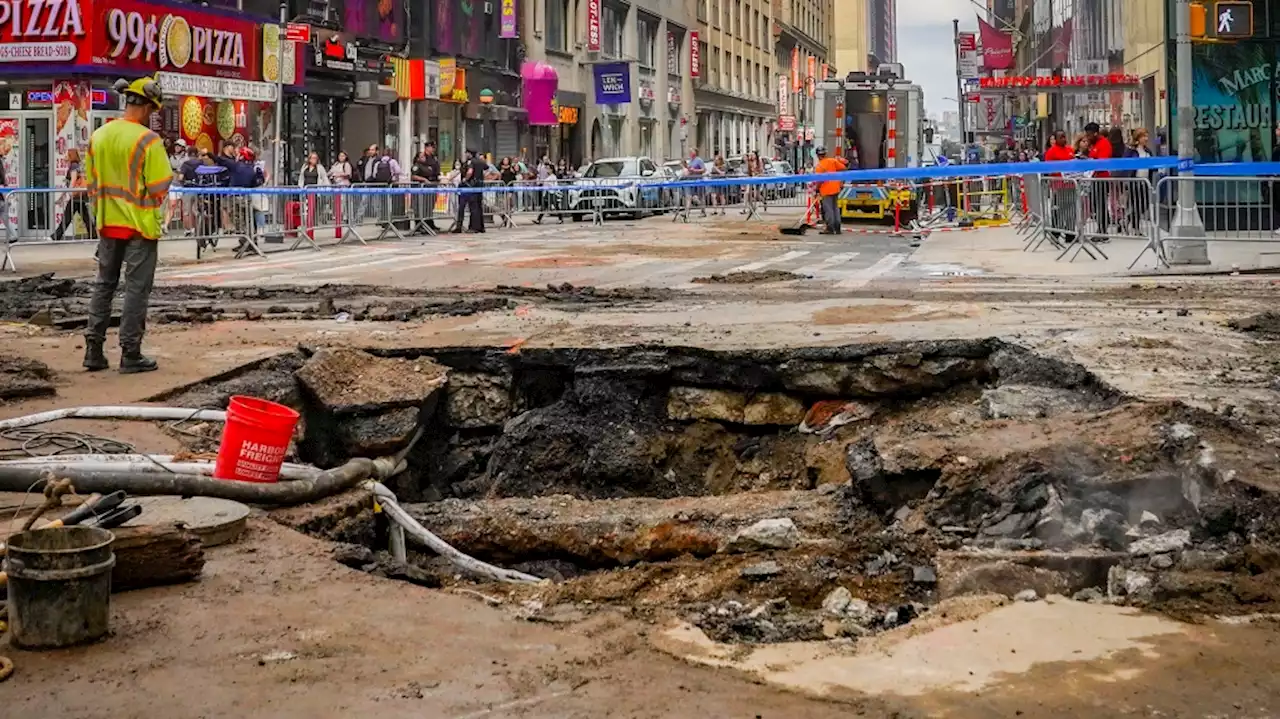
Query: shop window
x=647, y=34
x=558, y=25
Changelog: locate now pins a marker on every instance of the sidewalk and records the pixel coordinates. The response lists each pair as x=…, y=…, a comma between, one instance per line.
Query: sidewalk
x=998, y=252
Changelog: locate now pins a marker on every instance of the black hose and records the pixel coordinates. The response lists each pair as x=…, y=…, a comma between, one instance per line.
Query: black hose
x=300, y=491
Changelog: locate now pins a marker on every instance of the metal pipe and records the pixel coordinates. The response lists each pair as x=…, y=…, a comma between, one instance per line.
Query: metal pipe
x=114, y=412
x=141, y=463
x=20, y=478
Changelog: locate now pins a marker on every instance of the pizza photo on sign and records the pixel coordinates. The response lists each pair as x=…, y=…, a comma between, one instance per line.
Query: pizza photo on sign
x=192, y=118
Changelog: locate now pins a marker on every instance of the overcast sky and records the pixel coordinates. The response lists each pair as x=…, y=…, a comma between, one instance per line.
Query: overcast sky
x=926, y=46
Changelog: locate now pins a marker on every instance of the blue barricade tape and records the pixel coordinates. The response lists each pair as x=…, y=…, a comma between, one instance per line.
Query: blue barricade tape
x=948, y=172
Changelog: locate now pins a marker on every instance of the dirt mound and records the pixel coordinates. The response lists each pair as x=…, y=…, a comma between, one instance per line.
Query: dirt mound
x=750, y=278
x=21, y=377
x=1265, y=325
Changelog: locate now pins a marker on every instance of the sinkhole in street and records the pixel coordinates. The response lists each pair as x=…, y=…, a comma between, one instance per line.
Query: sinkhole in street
x=752, y=489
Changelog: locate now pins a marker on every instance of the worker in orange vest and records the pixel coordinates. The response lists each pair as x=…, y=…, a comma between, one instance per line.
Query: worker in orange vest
x=828, y=191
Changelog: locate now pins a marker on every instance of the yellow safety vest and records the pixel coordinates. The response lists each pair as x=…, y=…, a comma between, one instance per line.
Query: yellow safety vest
x=128, y=176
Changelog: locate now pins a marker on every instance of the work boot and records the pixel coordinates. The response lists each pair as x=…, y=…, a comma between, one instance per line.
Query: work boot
x=95, y=359
x=133, y=362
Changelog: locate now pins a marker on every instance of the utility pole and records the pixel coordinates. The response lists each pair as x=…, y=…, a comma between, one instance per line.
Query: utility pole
x=277, y=169
x=1189, y=246
x=964, y=136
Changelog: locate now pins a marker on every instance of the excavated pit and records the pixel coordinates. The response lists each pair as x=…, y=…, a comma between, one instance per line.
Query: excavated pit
x=789, y=494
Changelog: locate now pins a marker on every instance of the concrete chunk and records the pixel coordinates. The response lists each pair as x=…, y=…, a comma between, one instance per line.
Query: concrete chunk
x=347, y=381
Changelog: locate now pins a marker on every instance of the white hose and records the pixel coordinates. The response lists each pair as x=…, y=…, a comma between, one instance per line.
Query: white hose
x=159, y=463
x=393, y=510
x=139, y=413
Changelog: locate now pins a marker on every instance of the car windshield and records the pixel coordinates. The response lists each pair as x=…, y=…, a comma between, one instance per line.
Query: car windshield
x=783, y=167
x=612, y=168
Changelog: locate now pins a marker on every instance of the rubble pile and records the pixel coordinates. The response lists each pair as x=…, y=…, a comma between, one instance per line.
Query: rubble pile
x=796, y=494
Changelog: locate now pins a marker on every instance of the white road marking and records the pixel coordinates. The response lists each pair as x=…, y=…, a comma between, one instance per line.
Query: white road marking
x=828, y=263
x=667, y=270
x=237, y=267
x=753, y=266
x=476, y=259
x=862, y=278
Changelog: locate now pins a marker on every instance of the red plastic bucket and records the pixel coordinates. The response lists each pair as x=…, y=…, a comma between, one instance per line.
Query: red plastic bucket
x=254, y=440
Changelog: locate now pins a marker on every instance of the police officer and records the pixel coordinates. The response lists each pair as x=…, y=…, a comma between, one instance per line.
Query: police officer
x=128, y=175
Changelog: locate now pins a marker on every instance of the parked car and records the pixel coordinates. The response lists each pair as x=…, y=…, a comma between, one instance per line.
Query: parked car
x=616, y=186
x=782, y=168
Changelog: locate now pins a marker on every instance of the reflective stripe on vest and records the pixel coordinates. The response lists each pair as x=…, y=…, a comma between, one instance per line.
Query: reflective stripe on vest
x=117, y=178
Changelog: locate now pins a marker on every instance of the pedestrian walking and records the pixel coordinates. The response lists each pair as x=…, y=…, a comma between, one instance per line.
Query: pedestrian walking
x=77, y=204
x=471, y=182
x=426, y=172
x=128, y=175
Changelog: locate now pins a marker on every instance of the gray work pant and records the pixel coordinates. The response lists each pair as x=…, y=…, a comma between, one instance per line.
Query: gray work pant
x=831, y=213
x=138, y=257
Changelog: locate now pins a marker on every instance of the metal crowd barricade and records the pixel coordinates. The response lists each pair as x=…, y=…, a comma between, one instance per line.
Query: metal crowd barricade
x=1235, y=209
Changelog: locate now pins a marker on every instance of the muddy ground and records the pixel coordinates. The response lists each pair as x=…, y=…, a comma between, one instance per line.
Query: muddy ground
x=944, y=480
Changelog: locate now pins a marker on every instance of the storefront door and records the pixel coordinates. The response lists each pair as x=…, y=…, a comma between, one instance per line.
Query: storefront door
x=30, y=164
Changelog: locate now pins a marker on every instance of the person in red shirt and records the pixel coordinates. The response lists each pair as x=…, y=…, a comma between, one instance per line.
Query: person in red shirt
x=1099, y=149
x=1062, y=199
x=1059, y=150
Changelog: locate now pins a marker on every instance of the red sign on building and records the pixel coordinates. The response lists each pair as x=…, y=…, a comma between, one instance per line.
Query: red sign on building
x=131, y=36
x=593, y=25
x=695, y=56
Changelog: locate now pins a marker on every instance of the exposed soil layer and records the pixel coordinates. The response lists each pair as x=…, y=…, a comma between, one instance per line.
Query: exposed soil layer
x=750, y=278
x=63, y=303
x=761, y=494
x=21, y=378
x=1265, y=325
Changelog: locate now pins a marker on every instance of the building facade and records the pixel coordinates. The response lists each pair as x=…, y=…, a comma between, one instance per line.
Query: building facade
x=851, y=41
x=652, y=38
x=803, y=39
x=882, y=32
x=735, y=91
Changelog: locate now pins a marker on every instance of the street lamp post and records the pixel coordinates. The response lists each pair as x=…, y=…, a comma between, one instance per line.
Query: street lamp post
x=1187, y=245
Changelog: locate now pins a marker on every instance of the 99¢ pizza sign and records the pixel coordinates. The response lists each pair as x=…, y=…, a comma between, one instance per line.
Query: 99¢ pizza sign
x=130, y=35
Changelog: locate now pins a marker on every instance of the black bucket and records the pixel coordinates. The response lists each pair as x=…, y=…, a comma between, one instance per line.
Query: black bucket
x=59, y=586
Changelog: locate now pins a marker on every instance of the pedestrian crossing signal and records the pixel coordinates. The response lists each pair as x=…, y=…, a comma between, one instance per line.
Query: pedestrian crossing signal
x=1233, y=19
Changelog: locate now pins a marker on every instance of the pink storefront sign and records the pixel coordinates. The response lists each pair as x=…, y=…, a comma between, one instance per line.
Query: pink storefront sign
x=541, y=82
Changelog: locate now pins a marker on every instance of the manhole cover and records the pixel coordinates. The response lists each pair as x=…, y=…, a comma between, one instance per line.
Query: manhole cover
x=216, y=521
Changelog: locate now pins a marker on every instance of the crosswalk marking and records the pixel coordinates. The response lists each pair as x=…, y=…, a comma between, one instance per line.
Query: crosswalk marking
x=670, y=270
x=832, y=261
x=862, y=278
x=753, y=266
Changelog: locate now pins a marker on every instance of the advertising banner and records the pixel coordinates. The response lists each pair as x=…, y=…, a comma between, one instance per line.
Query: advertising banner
x=997, y=47
x=784, y=96
x=71, y=104
x=795, y=69
x=812, y=73
x=507, y=28
x=968, y=55
x=593, y=25
x=9, y=161
x=1233, y=89
x=695, y=56
x=613, y=83
x=673, y=54
x=130, y=36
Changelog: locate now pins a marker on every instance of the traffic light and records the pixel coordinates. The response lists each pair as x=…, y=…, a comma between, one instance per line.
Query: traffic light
x=1198, y=14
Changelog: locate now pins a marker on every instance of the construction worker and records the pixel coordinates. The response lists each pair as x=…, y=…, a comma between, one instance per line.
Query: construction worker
x=829, y=191
x=128, y=176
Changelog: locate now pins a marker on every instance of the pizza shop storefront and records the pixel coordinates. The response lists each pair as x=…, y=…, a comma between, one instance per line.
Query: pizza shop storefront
x=56, y=85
